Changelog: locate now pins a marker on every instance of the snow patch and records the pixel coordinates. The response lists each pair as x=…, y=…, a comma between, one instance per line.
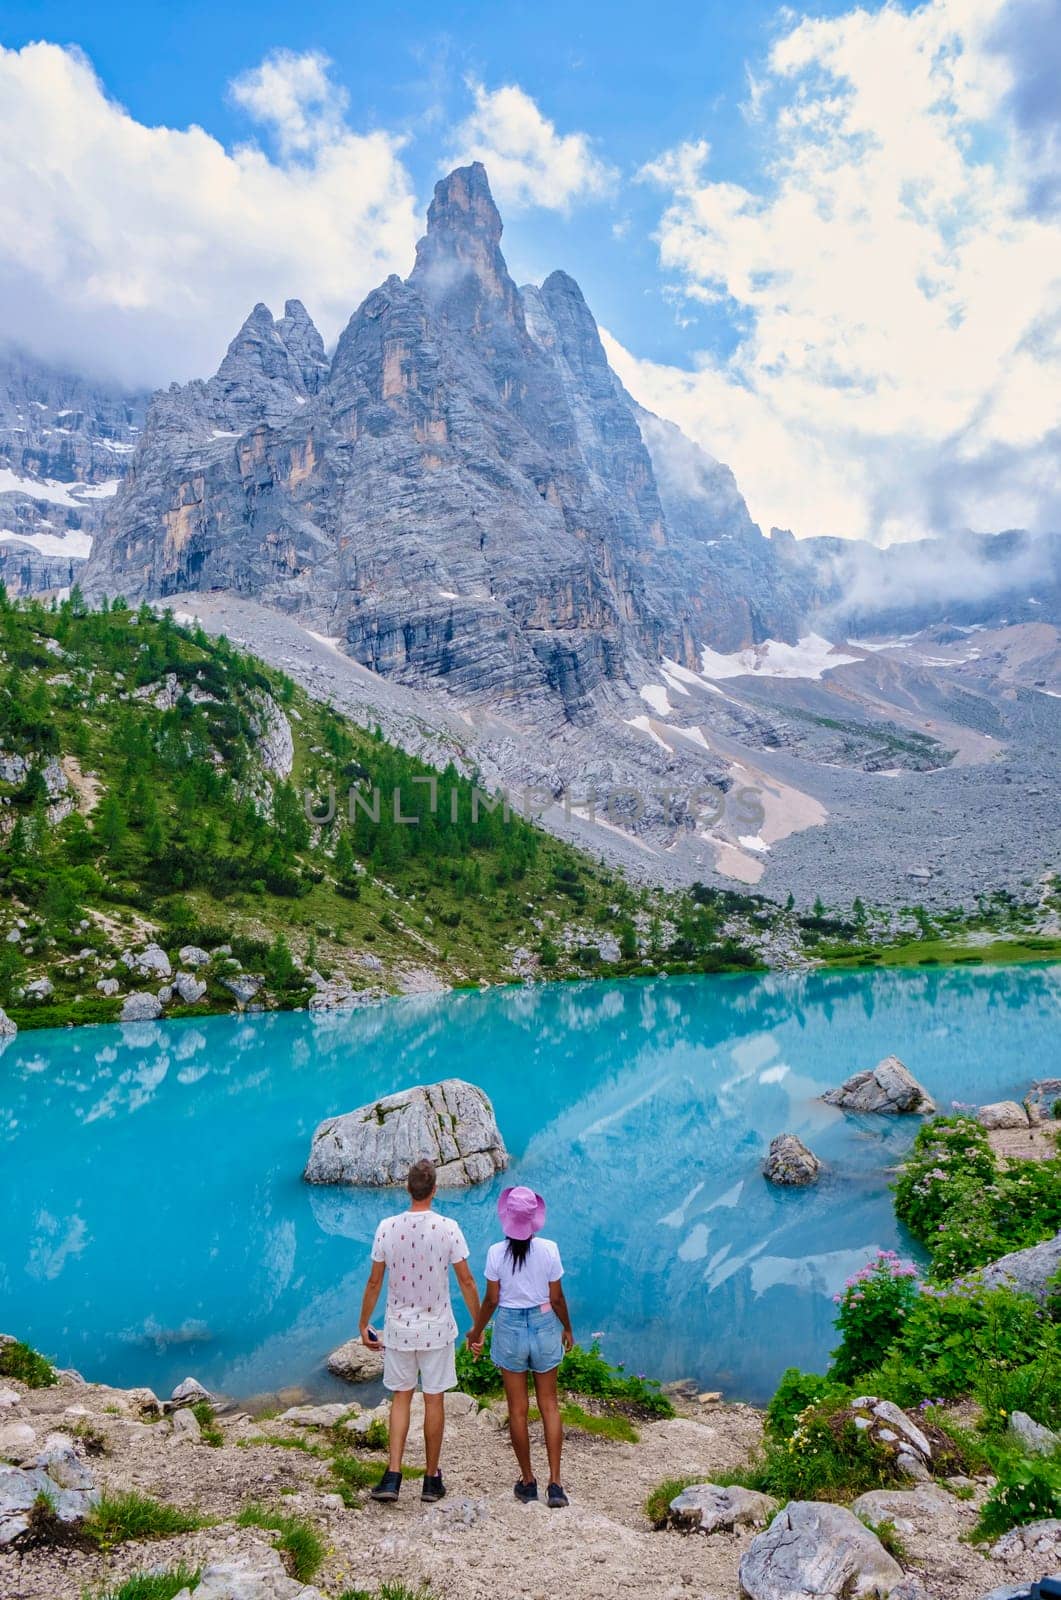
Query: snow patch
x=656, y=696
x=74, y=544
x=810, y=658
x=752, y=841
x=644, y=725
x=696, y=735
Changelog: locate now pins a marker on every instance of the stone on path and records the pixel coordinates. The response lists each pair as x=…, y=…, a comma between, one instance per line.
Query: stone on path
x=259, y=1576
x=904, y=1507
x=708, y=1507
x=815, y=1549
x=1039, y=1540
x=790, y=1164
x=452, y=1123
x=1002, y=1114
x=355, y=1362
x=890, y=1089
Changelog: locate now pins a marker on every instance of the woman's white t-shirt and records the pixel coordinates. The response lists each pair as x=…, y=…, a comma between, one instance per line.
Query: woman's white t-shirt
x=527, y=1286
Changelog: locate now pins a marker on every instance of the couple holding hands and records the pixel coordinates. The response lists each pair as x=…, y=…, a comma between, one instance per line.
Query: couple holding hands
x=532, y=1328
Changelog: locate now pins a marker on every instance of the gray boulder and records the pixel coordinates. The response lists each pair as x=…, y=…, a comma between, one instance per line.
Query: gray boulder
x=1028, y=1271
x=890, y=1089
x=191, y=955
x=812, y=1549
x=354, y=1362
x=150, y=962
x=1034, y=1439
x=258, y=1576
x=1039, y=1541
x=906, y=1508
x=243, y=986
x=8, y=1029
x=452, y=1123
x=892, y=1430
x=141, y=1007
x=108, y=986
x=190, y=988
x=189, y=1392
x=707, y=1507
x=1002, y=1114
x=186, y=1429
x=40, y=989
x=790, y=1164
x=21, y=1488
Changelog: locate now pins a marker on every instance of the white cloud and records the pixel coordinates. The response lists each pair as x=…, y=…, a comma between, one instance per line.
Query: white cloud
x=138, y=250
x=527, y=161
x=892, y=280
x=295, y=96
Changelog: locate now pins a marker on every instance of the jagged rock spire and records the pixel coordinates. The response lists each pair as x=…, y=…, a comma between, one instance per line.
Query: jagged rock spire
x=459, y=259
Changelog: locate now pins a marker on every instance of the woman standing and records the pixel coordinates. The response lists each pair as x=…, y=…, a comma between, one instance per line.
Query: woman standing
x=531, y=1331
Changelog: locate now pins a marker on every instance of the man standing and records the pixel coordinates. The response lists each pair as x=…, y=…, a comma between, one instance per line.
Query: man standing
x=416, y=1249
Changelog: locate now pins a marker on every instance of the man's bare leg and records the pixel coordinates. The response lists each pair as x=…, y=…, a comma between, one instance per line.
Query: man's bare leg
x=401, y=1405
x=434, y=1427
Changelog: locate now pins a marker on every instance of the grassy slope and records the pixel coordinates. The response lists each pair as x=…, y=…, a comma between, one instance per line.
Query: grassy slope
x=180, y=835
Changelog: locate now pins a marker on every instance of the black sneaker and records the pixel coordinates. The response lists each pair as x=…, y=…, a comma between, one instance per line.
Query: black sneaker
x=556, y=1497
x=388, y=1488
x=434, y=1489
x=526, y=1492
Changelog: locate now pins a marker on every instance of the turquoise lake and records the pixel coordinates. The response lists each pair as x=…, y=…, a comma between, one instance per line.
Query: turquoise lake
x=153, y=1222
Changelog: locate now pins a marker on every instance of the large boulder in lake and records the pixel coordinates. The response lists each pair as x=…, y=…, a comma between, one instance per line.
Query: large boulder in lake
x=354, y=1362
x=815, y=1549
x=451, y=1123
x=1028, y=1271
x=890, y=1088
x=790, y=1164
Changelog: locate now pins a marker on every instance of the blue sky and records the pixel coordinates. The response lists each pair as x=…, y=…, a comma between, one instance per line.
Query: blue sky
x=822, y=238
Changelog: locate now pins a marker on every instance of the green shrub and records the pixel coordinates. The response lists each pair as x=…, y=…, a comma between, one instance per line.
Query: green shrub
x=955, y=1340
x=21, y=1361
x=890, y=1538
x=826, y=1458
x=376, y=1436
x=120, y=1517
x=295, y=1536
x=1026, y=1491
x=874, y=1306
x=657, y=1505
x=796, y=1391
x=205, y=1416
x=587, y=1372
x=478, y=1377
x=1034, y=1388
x=150, y=1585
x=388, y=1591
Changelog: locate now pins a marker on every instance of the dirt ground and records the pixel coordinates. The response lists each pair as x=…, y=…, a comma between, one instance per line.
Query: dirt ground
x=478, y=1544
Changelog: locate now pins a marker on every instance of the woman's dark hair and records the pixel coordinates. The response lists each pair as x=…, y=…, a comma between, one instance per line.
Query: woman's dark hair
x=518, y=1251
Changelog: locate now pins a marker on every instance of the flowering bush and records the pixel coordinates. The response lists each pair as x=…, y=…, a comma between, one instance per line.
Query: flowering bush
x=955, y=1340
x=796, y=1391
x=965, y=1207
x=874, y=1307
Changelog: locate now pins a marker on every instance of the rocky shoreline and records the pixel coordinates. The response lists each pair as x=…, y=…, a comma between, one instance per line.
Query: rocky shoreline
x=479, y=1543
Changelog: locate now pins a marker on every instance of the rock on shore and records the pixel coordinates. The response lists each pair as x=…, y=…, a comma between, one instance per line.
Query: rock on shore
x=452, y=1123
x=815, y=1549
x=890, y=1088
x=1028, y=1271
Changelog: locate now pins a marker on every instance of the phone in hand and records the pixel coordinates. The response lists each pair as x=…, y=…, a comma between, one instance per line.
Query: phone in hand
x=374, y=1336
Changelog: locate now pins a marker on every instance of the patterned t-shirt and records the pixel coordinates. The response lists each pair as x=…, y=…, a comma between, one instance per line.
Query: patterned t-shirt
x=418, y=1248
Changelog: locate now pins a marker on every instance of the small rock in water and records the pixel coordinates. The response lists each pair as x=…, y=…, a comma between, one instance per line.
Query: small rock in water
x=790, y=1163
x=890, y=1088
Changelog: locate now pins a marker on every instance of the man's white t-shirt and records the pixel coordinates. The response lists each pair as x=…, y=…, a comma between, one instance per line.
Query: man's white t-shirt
x=527, y=1286
x=418, y=1248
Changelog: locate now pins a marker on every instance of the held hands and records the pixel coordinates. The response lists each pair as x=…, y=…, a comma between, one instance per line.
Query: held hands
x=475, y=1345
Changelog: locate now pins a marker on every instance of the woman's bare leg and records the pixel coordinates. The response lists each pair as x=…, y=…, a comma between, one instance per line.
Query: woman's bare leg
x=549, y=1406
x=518, y=1397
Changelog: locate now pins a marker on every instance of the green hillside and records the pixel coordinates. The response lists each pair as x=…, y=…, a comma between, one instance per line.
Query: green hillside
x=152, y=785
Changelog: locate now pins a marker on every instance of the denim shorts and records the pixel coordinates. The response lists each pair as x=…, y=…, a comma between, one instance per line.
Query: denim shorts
x=526, y=1340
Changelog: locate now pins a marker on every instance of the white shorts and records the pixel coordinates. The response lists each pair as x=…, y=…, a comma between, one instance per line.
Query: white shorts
x=437, y=1369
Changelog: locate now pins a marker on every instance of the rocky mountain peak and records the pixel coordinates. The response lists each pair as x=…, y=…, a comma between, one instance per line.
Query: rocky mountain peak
x=459, y=264
x=464, y=205
x=298, y=332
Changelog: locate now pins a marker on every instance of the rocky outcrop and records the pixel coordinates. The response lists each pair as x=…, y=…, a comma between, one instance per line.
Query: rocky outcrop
x=790, y=1164
x=141, y=1007
x=150, y=962
x=904, y=1508
x=811, y=1549
x=1028, y=1271
x=708, y=1508
x=58, y=1477
x=452, y=1123
x=1033, y=1438
x=895, y=1433
x=8, y=1029
x=890, y=1089
x=355, y=1362
x=1039, y=1540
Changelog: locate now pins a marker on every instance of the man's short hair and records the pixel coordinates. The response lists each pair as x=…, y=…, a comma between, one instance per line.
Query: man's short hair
x=422, y=1179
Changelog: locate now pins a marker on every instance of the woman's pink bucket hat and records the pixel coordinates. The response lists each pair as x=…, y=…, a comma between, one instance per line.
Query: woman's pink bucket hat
x=522, y=1212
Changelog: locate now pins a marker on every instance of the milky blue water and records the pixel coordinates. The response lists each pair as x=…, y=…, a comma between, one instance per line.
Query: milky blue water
x=153, y=1222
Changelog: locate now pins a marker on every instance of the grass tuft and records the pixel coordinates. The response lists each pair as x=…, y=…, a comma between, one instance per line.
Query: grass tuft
x=149, y=1585
x=890, y=1538
x=206, y=1417
x=296, y=1538
x=657, y=1506
x=120, y=1517
x=389, y=1591
x=28, y=1366
x=614, y=1426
